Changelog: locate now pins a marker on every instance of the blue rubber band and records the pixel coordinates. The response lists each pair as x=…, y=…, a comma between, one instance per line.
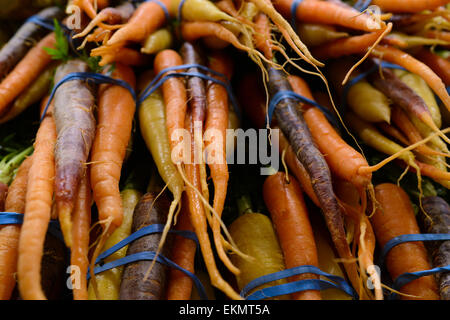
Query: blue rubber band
x=407, y=277
x=180, y=8
x=160, y=79
x=151, y=229
x=150, y=256
x=89, y=76
x=292, y=287
x=362, y=5
x=10, y=218
x=7, y=218
x=284, y=94
x=411, y=238
x=294, y=7
x=361, y=76
x=296, y=286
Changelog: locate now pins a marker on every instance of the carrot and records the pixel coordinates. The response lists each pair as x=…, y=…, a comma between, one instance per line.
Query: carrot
x=25, y=72
x=412, y=5
x=395, y=217
x=111, y=16
x=263, y=35
x=401, y=120
x=108, y=282
x=346, y=46
x=23, y=40
x=439, y=212
x=179, y=285
x=255, y=234
x=147, y=18
x=75, y=126
x=439, y=65
x=252, y=100
x=38, y=208
x=413, y=65
x=192, y=31
x=315, y=34
x=9, y=235
x=215, y=145
x=393, y=132
x=81, y=226
x=109, y=148
x=294, y=127
x=343, y=160
x=325, y=12
x=148, y=211
x=199, y=222
x=287, y=208
x=405, y=97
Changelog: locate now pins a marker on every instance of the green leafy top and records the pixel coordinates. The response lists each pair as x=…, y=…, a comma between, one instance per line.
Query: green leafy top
x=61, y=50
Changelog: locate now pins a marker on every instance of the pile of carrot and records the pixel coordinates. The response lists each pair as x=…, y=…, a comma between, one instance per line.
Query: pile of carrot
x=121, y=123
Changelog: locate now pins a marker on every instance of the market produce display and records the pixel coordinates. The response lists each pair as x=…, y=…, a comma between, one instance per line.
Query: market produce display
x=224, y=150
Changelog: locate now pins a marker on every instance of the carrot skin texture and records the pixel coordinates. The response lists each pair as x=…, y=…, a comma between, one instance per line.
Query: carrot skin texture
x=439, y=211
x=395, y=217
x=9, y=235
x=148, y=211
x=439, y=65
x=81, y=226
x=75, y=125
x=290, y=218
x=37, y=212
x=116, y=109
x=412, y=5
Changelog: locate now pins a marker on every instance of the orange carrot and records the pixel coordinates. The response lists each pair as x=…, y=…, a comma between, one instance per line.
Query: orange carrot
x=289, y=214
x=80, y=246
x=148, y=17
x=263, y=35
x=316, y=11
x=215, y=146
x=411, y=6
x=179, y=285
x=395, y=217
x=9, y=234
x=346, y=46
x=174, y=92
x=115, y=121
x=25, y=72
x=39, y=199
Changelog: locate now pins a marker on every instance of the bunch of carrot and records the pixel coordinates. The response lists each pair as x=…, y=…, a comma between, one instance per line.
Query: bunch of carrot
x=331, y=84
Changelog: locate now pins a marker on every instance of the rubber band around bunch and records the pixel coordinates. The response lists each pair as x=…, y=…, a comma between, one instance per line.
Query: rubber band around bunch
x=148, y=255
x=88, y=76
x=407, y=277
x=286, y=94
x=296, y=286
x=294, y=7
x=7, y=218
x=159, y=79
x=360, y=77
x=362, y=5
